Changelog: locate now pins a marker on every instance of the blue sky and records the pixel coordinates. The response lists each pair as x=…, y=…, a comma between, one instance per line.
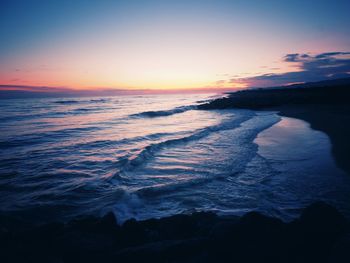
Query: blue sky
x=163, y=44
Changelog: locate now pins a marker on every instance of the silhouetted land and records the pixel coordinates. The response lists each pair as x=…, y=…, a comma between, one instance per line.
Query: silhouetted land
x=321, y=234
x=325, y=105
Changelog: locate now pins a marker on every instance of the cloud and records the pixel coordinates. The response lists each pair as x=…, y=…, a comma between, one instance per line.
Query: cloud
x=291, y=57
x=331, y=54
x=329, y=65
x=220, y=82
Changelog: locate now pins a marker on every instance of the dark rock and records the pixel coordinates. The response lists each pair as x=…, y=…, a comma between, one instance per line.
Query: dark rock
x=109, y=220
x=322, y=218
x=133, y=233
x=341, y=250
x=320, y=235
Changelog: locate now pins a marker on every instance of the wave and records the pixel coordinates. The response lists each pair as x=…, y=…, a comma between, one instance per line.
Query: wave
x=49, y=114
x=67, y=101
x=83, y=110
x=149, y=151
x=99, y=100
x=81, y=101
x=166, y=188
x=15, y=118
x=211, y=98
x=98, y=144
x=162, y=113
x=44, y=137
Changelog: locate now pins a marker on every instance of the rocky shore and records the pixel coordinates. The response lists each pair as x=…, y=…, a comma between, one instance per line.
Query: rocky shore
x=321, y=234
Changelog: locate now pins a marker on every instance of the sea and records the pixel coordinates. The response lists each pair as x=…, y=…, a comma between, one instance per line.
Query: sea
x=151, y=156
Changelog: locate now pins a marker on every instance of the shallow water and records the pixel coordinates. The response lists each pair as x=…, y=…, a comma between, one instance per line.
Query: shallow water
x=307, y=170
x=146, y=156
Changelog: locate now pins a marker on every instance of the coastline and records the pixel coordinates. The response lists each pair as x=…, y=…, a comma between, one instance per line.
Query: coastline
x=326, y=109
x=292, y=140
x=334, y=120
x=305, y=167
x=320, y=234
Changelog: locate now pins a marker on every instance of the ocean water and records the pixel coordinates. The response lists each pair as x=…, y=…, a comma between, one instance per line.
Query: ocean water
x=157, y=155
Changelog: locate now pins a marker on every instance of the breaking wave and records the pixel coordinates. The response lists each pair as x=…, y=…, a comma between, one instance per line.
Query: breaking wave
x=162, y=113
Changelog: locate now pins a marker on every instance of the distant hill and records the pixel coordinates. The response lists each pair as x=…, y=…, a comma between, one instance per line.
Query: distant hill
x=324, y=83
x=322, y=92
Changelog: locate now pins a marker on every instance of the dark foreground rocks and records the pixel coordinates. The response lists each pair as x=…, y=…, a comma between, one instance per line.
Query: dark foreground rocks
x=321, y=234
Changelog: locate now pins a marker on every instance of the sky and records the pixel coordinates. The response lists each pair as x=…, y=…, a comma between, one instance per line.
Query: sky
x=167, y=45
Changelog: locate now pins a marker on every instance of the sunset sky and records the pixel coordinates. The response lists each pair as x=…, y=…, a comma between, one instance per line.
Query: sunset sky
x=188, y=44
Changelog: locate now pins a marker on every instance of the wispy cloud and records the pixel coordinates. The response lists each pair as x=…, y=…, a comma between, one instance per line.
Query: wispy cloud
x=329, y=65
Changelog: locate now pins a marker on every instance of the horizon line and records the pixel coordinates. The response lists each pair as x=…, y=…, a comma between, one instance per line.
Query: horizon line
x=53, y=89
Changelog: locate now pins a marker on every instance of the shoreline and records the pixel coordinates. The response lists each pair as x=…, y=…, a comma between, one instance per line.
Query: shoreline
x=304, y=165
x=326, y=109
x=333, y=120
x=282, y=141
x=320, y=234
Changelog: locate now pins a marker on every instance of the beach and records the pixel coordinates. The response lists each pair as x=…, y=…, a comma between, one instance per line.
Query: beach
x=334, y=120
x=324, y=107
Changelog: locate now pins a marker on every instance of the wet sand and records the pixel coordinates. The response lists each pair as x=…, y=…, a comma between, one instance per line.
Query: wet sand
x=300, y=155
x=291, y=141
x=333, y=119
